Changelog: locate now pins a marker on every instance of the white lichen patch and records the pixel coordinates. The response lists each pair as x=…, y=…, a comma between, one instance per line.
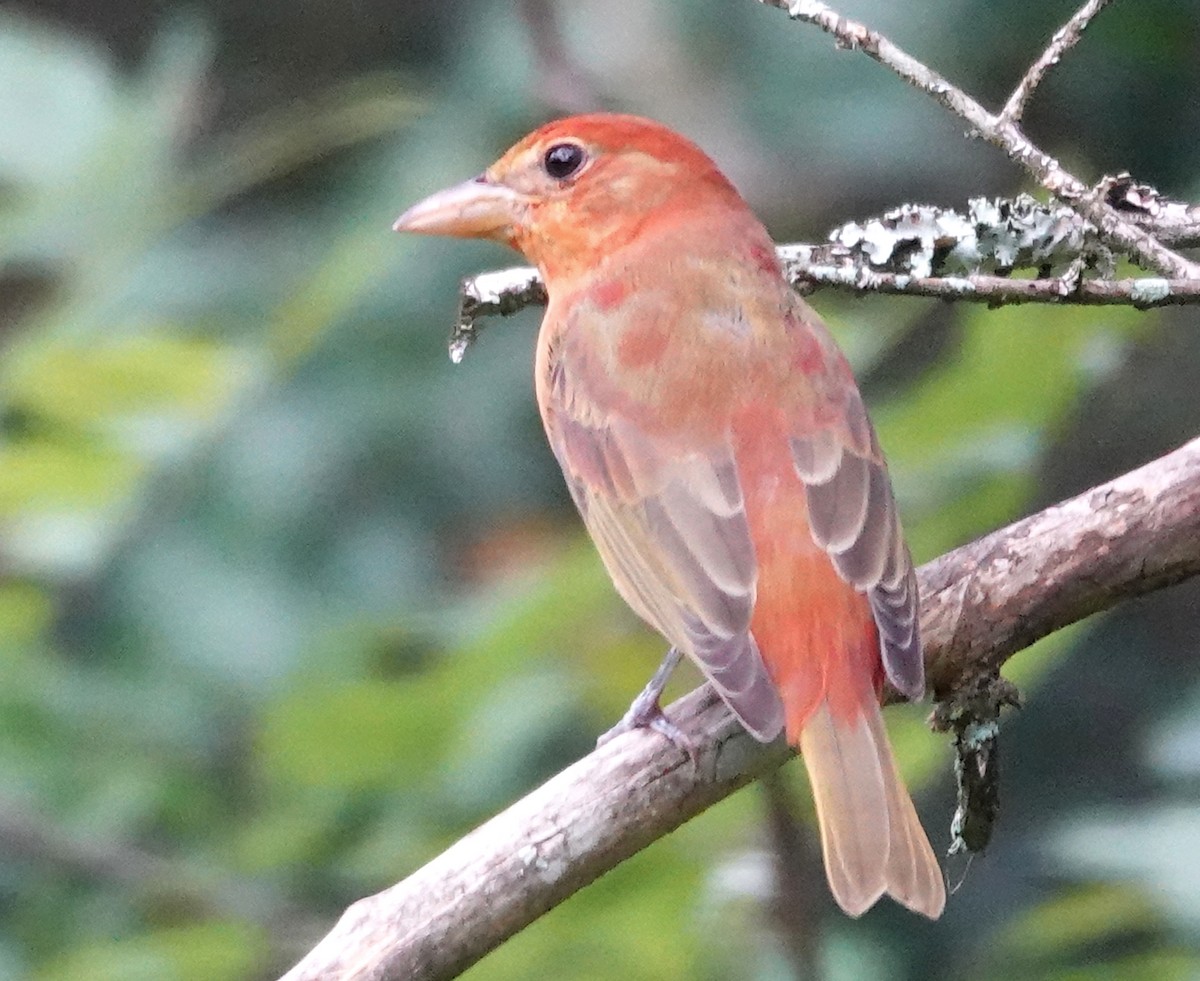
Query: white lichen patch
x=494, y=286
x=1150, y=290
x=548, y=870
x=961, y=285
x=993, y=236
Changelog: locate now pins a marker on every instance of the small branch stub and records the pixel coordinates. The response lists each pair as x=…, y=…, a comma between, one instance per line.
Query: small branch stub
x=973, y=715
x=503, y=292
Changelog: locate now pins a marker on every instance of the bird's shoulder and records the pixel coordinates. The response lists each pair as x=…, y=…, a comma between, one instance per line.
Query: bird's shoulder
x=687, y=336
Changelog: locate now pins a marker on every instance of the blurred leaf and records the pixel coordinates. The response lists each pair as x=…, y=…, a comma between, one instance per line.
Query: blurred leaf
x=51, y=475
x=356, y=736
x=210, y=951
x=1073, y=921
x=66, y=88
x=25, y=614
x=1150, y=846
x=1158, y=965
x=82, y=385
x=345, y=114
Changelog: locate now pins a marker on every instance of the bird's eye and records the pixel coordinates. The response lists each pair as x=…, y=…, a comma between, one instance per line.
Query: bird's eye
x=563, y=159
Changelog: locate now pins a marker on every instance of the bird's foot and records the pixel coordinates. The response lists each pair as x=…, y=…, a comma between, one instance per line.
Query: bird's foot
x=646, y=713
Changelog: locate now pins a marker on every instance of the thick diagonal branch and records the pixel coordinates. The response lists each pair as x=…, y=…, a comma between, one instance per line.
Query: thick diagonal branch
x=980, y=604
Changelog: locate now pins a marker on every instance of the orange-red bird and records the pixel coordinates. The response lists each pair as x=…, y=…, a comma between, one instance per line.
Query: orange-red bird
x=715, y=442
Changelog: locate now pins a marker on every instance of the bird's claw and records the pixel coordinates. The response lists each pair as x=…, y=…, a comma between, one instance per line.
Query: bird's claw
x=649, y=715
x=646, y=713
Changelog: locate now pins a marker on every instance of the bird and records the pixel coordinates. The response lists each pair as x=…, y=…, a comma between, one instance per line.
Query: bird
x=715, y=443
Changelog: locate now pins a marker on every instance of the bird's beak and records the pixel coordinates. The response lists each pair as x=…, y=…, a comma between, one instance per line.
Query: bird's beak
x=477, y=208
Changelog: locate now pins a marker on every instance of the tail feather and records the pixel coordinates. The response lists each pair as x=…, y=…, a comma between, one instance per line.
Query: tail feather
x=850, y=794
x=914, y=877
x=871, y=838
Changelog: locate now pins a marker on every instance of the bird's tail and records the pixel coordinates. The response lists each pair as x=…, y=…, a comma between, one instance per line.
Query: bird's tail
x=871, y=838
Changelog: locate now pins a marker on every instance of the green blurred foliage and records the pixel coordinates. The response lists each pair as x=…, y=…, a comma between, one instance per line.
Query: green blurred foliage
x=289, y=603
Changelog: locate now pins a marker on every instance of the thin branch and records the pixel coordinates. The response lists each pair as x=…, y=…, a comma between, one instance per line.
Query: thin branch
x=1142, y=247
x=1144, y=293
x=922, y=250
x=980, y=604
x=1064, y=39
x=811, y=267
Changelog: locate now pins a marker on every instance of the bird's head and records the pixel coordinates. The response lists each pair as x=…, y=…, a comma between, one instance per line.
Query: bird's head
x=576, y=189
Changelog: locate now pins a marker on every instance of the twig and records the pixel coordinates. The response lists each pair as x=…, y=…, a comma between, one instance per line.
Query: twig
x=501, y=292
x=1064, y=39
x=1142, y=247
x=980, y=604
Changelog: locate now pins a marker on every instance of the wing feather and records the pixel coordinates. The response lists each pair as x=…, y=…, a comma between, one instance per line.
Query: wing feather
x=852, y=513
x=838, y=507
x=673, y=534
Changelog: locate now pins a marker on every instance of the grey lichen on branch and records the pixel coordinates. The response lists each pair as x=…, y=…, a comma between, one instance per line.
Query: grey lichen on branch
x=994, y=236
x=972, y=714
x=1174, y=223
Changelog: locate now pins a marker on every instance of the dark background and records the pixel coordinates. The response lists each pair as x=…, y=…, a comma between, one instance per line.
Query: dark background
x=289, y=603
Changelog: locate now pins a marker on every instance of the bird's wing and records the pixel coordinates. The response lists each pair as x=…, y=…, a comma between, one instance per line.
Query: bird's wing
x=671, y=528
x=852, y=515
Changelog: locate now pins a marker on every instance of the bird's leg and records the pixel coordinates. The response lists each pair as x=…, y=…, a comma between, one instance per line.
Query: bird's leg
x=646, y=711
